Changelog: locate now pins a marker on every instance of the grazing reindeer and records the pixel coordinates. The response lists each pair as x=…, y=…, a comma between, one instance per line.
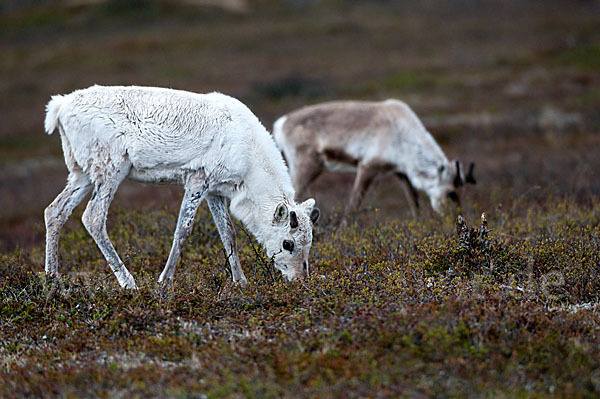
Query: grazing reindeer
x=369, y=138
x=212, y=144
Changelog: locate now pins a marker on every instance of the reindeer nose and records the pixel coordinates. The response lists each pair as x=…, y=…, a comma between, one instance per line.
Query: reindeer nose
x=288, y=245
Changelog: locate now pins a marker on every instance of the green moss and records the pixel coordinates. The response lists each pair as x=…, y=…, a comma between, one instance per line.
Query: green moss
x=585, y=57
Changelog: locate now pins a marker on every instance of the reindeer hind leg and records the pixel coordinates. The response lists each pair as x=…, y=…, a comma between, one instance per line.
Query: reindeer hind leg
x=364, y=177
x=57, y=213
x=94, y=220
x=305, y=171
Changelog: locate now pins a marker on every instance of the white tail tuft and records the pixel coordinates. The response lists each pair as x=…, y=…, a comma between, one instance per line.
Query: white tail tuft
x=52, y=110
x=278, y=131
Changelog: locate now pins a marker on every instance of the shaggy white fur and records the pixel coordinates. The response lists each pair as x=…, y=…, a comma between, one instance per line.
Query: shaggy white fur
x=212, y=144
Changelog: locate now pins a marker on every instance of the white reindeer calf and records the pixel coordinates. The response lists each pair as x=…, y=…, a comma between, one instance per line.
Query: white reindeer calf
x=369, y=138
x=212, y=144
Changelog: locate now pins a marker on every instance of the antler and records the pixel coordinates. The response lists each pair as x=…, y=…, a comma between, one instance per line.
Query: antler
x=458, y=181
x=470, y=178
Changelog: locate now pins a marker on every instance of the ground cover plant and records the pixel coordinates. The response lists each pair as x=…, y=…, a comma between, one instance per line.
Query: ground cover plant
x=395, y=306
x=391, y=308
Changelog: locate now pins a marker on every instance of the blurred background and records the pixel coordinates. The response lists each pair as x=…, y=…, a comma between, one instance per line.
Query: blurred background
x=513, y=85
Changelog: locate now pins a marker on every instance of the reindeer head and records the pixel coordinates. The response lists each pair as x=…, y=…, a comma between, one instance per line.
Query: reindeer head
x=291, y=244
x=451, y=178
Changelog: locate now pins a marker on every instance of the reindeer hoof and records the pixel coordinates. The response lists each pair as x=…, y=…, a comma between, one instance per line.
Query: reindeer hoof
x=129, y=284
x=241, y=282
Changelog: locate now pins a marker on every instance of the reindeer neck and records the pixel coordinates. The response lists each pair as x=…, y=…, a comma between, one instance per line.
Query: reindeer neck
x=266, y=185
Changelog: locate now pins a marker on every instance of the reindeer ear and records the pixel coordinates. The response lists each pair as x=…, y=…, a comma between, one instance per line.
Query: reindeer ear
x=314, y=215
x=470, y=178
x=311, y=211
x=458, y=181
x=308, y=205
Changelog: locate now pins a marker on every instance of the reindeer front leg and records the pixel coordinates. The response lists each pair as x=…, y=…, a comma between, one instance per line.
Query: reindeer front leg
x=196, y=188
x=218, y=208
x=411, y=194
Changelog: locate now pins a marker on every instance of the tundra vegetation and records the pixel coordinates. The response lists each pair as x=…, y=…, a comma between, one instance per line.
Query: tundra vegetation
x=395, y=306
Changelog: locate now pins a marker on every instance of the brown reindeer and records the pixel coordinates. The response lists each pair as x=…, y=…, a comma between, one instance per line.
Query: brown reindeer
x=369, y=138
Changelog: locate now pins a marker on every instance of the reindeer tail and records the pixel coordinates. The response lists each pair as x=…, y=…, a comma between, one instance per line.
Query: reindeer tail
x=278, y=131
x=52, y=110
